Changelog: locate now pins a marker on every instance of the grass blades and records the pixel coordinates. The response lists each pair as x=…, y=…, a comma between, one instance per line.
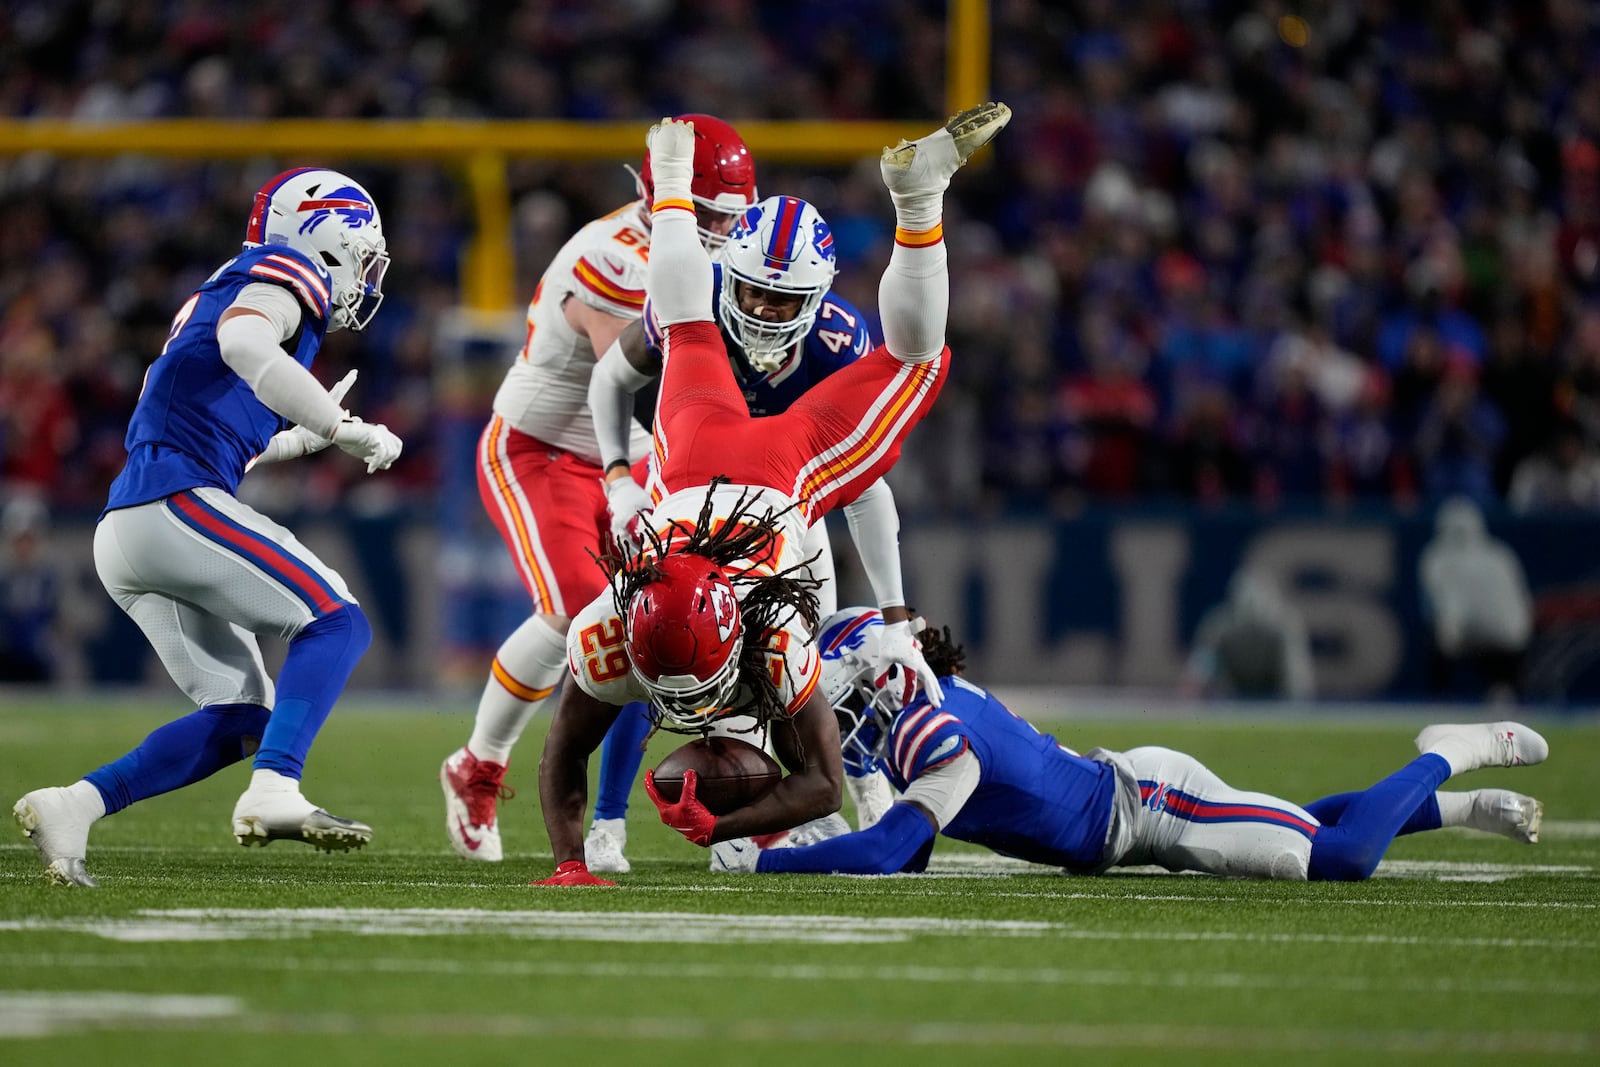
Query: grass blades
x=1465, y=949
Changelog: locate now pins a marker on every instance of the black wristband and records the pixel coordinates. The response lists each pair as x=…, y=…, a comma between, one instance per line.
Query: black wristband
x=617, y=463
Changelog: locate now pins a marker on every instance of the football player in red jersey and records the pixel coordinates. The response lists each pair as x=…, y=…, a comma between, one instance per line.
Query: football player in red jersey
x=539, y=468
x=729, y=629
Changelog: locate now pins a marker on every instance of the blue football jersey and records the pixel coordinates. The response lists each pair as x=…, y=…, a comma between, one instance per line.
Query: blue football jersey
x=198, y=423
x=840, y=336
x=1036, y=800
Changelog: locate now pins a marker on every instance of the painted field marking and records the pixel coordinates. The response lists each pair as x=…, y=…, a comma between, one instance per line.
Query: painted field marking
x=278, y=924
x=238, y=924
x=887, y=1033
x=28, y=1013
x=828, y=974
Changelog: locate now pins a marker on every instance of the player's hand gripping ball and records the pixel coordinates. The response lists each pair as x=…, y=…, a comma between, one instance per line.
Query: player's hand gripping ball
x=731, y=773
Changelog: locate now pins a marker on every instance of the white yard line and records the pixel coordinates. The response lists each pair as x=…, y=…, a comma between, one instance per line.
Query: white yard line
x=26, y=1013
x=793, y=1031
x=236, y=924
x=278, y=924
x=829, y=974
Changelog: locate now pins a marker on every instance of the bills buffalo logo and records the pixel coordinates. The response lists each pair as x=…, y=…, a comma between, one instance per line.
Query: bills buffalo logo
x=822, y=240
x=348, y=203
x=747, y=224
x=848, y=636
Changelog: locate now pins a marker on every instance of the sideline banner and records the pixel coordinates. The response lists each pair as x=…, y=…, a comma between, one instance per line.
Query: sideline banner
x=1112, y=598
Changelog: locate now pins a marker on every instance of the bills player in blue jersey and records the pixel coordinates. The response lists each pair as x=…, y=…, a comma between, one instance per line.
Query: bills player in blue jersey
x=976, y=772
x=203, y=574
x=785, y=330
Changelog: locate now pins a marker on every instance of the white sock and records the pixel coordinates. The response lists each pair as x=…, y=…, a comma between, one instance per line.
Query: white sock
x=1454, y=808
x=525, y=673
x=269, y=781
x=919, y=211
x=84, y=792
x=914, y=299
x=1461, y=754
x=617, y=828
x=679, y=276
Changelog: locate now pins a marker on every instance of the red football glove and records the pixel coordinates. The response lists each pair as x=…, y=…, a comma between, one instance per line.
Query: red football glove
x=688, y=816
x=573, y=872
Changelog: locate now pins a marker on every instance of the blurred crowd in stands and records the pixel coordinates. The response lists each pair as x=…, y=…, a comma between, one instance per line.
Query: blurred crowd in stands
x=1247, y=252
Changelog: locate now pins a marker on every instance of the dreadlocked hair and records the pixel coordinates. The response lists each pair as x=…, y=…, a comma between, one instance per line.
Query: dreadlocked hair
x=944, y=656
x=766, y=602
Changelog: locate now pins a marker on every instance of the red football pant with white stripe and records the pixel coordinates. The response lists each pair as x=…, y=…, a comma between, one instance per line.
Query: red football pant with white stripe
x=836, y=440
x=551, y=511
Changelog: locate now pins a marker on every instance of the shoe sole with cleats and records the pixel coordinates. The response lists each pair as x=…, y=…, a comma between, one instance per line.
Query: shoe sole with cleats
x=320, y=830
x=970, y=130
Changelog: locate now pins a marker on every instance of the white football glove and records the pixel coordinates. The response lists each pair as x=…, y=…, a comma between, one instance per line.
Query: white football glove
x=630, y=507
x=737, y=855
x=370, y=441
x=898, y=647
x=299, y=441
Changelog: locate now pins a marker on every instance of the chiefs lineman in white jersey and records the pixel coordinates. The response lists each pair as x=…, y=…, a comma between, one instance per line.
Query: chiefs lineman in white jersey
x=539, y=468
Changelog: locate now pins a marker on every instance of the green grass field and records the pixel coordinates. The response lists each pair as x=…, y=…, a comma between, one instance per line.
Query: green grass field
x=1465, y=949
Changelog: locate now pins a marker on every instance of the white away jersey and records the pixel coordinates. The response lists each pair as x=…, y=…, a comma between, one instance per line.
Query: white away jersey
x=595, y=642
x=546, y=392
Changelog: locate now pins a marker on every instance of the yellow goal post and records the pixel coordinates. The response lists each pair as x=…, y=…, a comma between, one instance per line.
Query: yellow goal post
x=481, y=149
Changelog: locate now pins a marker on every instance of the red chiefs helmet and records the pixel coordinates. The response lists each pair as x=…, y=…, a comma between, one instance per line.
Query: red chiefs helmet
x=724, y=182
x=683, y=639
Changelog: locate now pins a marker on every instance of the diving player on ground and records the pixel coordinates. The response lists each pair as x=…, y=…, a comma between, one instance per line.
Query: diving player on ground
x=974, y=771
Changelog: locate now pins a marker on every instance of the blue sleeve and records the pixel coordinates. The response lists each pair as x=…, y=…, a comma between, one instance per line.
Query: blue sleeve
x=889, y=846
x=652, y=332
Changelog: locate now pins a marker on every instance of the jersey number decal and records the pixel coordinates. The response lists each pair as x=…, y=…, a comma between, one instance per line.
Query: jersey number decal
x=836, y=340
x=527, y=342
x=180, y=320
x=603, y=655
x=830, y=310
x=762, y=563
x=636, y=241
x=776, y=642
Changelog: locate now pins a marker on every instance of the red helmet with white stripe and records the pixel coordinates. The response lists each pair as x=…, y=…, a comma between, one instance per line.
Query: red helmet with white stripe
x=684, y=635
x=329, y=217
x=724, y=183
